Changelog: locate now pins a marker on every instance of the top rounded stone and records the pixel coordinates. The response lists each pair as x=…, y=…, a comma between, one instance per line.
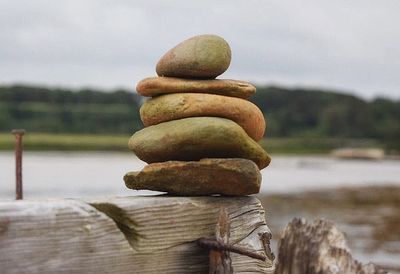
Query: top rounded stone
x=200, y=57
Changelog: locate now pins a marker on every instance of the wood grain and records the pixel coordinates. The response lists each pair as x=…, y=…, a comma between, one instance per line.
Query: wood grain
x=125, y=235
x=317, y=248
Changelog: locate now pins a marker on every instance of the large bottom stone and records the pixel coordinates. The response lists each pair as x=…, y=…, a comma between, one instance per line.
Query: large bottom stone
x=192, y=139
x=206, y=177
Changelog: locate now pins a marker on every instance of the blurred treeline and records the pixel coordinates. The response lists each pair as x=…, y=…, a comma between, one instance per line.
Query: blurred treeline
x=289, y=113
x=40, y=109
x=319, y=113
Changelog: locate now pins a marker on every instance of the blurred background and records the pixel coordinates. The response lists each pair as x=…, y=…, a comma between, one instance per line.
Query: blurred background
x=327, y=77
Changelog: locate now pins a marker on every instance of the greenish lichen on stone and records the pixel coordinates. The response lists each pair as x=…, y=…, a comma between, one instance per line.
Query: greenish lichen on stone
x=192, y=139
x=200, y=57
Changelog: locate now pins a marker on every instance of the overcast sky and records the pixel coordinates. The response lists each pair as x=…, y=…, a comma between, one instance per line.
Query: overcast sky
x=350, y=45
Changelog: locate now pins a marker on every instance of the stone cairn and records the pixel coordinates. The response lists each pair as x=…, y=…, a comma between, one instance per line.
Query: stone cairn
x=200, y=135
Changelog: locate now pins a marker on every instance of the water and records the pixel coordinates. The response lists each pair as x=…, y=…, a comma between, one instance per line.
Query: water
x=75, y=174
x=365, y=211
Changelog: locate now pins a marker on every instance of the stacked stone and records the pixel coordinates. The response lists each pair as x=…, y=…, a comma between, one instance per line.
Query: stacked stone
x=200, y=135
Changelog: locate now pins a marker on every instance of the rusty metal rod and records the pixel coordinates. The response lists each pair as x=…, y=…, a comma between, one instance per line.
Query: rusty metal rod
x=211, y=243
x=18, y=133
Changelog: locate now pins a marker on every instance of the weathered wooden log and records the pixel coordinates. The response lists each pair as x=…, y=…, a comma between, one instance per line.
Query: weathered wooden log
x=126, y=235
x=317, y=248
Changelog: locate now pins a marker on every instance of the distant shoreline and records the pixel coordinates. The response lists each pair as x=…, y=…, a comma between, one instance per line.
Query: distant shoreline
x=101, y=142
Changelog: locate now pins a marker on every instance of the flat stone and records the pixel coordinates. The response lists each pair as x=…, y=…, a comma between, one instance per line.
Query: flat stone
x=206, y=177
x=200, y=57
x=155, y=86
x=192, y=139
x=183, y=105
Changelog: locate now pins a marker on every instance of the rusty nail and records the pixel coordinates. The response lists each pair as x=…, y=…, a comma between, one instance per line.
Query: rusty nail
x=213, y=244
x=18, y=133
x=266, y=241
x=220, y=261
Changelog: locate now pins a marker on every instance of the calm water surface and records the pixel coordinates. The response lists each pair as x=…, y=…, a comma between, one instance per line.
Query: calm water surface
x=72, y=174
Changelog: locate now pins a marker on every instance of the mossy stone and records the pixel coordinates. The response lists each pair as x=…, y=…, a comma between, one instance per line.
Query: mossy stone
x=191, y=139
x=200, y=57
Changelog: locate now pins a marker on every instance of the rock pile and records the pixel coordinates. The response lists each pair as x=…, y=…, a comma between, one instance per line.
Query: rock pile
x=200, y=135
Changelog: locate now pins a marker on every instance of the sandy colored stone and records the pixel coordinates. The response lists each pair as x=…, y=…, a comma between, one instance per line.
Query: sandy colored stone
x=206, y=177
x=155, y=86
x=192, y=139
x=183, y=105
x=200, y=57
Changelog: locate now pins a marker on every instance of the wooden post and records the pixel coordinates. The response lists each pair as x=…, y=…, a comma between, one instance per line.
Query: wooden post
x=317, y=248
x=126, y=234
